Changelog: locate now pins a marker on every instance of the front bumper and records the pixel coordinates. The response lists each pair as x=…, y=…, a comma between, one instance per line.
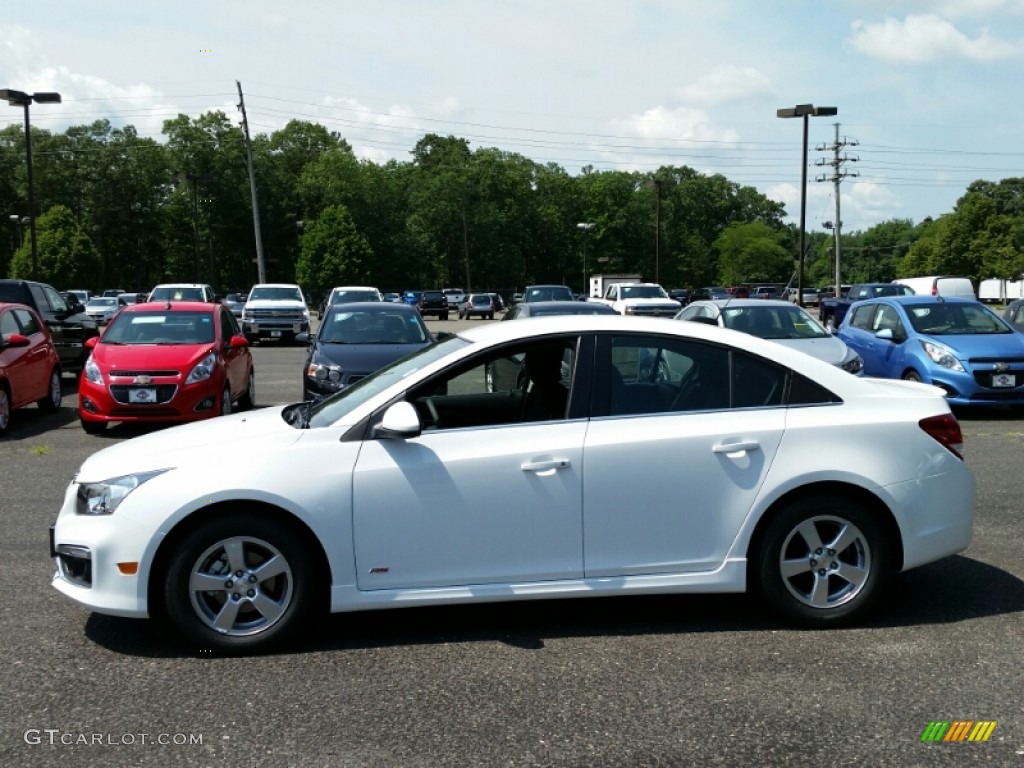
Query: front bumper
x=107, y=540
x=173, y=402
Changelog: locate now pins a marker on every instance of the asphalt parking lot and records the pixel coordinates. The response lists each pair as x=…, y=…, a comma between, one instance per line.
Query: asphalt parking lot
x=654, y=681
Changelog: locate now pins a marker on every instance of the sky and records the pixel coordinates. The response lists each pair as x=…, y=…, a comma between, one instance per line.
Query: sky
x=924, y=90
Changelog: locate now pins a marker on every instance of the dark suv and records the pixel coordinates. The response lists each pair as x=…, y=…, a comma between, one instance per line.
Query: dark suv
x=433, y=303
x=69, y=326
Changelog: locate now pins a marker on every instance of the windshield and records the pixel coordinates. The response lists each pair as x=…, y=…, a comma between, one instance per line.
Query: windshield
x=344, y=297
x=774, y=322
x=176, y=294
x=372, y=327
x=644, y=292
x=276, y=293
x=160, y=327
x=335, y=407
x=549, y=293
x=948, y=319
x=102, y=303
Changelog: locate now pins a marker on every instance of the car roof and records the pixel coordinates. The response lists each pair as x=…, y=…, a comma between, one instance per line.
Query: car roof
x=175, y=306
x=553, y=307
x=918, y=298
x=723, y=303
x=373, y=306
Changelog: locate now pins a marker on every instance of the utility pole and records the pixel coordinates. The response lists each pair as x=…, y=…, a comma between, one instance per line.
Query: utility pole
x=838, y=174
x=261, y=267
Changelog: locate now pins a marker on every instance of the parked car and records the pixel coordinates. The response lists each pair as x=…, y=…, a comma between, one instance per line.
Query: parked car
x=29, y=365
x=235, y=302
x=68, y=328
x=477, y=305
x=131, y=298
x=275, y=311
x=354, y=340
x=103, y=308
x=411, y=297
x=499, y=303
x=73, y=302
x=959, y=345
x=371, y=498
x=777, y=320
x=394, y=298
x=1014, y=314
x=545, y=308
x=940, y=285
x=113, y=292
x=548, y=293
x=182, y=362
x=716, y=292
x=682, y=295
x=434, y=303
x=346, y=294
x=182, y=292
x=455, y=296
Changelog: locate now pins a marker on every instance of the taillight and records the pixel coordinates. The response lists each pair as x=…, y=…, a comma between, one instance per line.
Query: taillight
x=945, y=429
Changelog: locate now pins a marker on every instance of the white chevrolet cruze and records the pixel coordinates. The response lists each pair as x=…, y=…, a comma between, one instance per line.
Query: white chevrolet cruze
x=624, y=456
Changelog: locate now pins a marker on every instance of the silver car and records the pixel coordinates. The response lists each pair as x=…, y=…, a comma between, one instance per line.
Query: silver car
x=779, y=321
x=103, y=308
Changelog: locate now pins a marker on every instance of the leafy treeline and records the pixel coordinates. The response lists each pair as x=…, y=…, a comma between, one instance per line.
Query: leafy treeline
x=126, y=211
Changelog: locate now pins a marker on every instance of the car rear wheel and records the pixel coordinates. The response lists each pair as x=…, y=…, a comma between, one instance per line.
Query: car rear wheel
x=822, y=561
x=239, y=583
x=248, y=399
x=5, y=410
x=52, y=401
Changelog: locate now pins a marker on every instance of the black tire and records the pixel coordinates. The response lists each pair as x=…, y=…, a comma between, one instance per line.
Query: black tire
x=911, y=375
x=444, y=316
x=266, y=612
x=51, y=401
x=248, y=399
x=225, y=405
x=824, y=586
x=93, y=427
x=5, y=409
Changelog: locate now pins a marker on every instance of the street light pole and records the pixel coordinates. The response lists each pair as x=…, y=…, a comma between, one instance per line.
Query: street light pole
x=586, y=227
x=805, y=111
x=22, y=99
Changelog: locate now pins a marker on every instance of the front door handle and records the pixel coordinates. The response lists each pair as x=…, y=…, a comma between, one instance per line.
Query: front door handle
x=737, y=448
x=544, y=465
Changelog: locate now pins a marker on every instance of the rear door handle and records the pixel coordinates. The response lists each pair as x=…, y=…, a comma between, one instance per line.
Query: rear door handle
x=546, y=464
x=741, y=446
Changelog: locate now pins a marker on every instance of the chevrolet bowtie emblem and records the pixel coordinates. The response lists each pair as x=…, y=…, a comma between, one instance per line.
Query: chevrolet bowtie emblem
x=143, y=380
x=1002, y=367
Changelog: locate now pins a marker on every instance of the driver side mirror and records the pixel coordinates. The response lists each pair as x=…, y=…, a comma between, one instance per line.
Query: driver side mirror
x=303, y=338
x=400, y=421
x=14, y=340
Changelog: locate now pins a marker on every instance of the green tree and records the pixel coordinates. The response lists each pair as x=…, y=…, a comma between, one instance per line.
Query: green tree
x=752, y=253
x=65, y=253
x=333, y=252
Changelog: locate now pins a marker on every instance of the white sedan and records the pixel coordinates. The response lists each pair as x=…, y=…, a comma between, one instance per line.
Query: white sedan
x=673, y=457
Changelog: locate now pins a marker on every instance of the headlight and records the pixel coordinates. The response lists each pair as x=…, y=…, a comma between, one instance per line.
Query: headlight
x=203, y=369
x=92, y=371
x=246, y=315
x=324, y=374
x=103, y=498
x=854, y=364
x=942, y=356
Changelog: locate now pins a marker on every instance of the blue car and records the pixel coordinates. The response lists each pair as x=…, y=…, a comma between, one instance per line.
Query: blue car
x=957, y=344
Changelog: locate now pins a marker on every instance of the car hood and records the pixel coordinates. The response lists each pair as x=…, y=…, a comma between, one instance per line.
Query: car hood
x=200, y=442
x=136, y=357
x=274, y=304
x=362, y=358
x=830, y=349
x=994, y=345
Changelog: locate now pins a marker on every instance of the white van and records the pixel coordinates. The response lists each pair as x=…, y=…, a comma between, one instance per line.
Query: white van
x=940, y=285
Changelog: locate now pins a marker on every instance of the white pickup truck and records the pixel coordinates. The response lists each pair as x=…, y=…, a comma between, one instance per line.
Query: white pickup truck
x=642, y=299
x=275, y=311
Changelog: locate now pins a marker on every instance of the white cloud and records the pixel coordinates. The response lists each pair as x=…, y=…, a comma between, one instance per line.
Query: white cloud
x=726, y=83
x=661, y=124
x=928, y=38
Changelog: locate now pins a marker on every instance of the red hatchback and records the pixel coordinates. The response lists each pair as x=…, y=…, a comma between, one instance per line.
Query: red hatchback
x=172, y=362
x=29, y=366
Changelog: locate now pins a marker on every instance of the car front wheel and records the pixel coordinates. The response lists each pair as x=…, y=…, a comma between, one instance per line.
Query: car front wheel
x=822, y=561
x=239, y=584
x=248, y=399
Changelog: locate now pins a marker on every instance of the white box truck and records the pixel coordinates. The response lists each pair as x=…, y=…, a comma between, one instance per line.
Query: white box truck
x=599, y=283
